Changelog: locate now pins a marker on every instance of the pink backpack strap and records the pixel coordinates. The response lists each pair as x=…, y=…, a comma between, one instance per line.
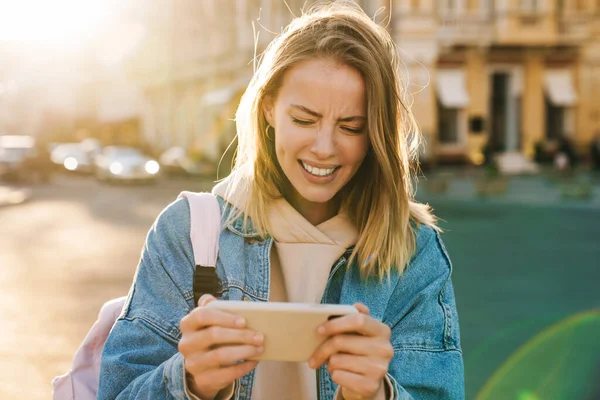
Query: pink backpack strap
x=205, y=227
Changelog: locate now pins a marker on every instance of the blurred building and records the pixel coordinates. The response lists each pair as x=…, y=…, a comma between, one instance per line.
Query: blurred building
x=193, y=64
x=499, y=75
x=502, y=73
x=506, y=74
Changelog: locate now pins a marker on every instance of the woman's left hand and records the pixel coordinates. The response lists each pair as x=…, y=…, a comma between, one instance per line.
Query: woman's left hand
x=358, y=354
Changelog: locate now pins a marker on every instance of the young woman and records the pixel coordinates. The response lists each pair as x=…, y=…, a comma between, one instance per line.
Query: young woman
x=319, y=208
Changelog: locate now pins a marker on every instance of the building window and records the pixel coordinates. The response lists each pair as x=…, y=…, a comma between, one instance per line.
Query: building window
x=554, y=120
x=453, y=98
x=530, y=6
x=448, y=5
x=472, y=5
x=499, y=111
x=560, y=100
x=447, y=124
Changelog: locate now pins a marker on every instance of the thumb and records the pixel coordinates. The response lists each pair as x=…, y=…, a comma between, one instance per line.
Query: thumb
x=205, y=299
x=362, y=308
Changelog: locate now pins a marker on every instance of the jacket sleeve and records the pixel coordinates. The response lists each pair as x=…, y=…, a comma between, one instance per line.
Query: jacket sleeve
x=427, y=361
x=140, y=358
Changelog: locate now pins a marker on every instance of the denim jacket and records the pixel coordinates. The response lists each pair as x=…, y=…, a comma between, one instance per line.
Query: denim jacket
x=140, y=358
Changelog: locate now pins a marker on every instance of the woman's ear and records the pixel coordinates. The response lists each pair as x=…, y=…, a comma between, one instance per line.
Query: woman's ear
x=267, y=107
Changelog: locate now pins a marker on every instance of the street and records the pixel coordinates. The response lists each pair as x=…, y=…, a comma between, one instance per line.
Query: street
x=518, y=269
x=71, y=247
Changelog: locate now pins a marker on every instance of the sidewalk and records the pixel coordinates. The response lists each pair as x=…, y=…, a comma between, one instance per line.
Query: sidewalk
x=537, y=190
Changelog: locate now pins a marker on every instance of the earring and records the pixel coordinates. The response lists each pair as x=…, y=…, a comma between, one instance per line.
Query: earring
x=267, y=132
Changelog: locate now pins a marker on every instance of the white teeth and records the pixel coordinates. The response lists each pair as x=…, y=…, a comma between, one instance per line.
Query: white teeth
x=318, y=171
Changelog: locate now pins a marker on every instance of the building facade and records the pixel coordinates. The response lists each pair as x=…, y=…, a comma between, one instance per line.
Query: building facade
x=498, y=74
x=503, y=74
x=193, y=65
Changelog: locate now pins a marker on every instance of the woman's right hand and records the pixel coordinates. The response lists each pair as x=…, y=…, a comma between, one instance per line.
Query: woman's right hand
x=212, y=343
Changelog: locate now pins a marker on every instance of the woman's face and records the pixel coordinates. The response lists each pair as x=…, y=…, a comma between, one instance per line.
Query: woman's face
x=319, y=118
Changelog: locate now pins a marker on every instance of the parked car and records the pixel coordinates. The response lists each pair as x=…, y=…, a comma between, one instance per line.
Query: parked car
x=14, y=151
x=120, y=163
x=176, y=161
x=92, y=147
x=72, y=157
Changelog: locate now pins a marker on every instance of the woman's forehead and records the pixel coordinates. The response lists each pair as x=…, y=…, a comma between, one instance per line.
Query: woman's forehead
x=320, y=81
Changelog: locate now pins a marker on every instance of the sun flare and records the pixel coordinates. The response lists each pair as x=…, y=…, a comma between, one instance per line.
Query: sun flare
x=62, y=23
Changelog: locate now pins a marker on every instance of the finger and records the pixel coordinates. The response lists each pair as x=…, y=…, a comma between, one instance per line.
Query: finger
x=204, y=339
x=219, y=358
x=363, y=386
x=355, y=323
x=205, y=299
x=363, y=309
x=351, y=344
x=202, y=317
x=222, y=377
x=362, y=365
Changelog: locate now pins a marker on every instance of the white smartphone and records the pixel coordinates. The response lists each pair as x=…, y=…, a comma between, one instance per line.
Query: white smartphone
x=290, y=329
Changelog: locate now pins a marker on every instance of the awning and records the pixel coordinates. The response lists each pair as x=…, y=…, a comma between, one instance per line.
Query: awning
x=452, y=89
x=559, y=88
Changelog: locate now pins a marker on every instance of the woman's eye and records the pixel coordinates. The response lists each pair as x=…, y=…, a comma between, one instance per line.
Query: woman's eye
x=303, y=122
x=353, y=130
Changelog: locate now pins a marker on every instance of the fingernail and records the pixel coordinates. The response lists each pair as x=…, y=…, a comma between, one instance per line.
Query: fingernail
x=258, y=338
x=321, y=330
x=202, y=301
x=240, y=322
x=311, y=363
x=259, y=349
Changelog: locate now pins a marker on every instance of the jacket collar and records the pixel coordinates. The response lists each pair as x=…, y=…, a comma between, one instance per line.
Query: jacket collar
x=236, y=226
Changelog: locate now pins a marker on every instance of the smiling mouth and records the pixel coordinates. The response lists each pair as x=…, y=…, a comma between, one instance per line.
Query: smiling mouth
x=321, y=172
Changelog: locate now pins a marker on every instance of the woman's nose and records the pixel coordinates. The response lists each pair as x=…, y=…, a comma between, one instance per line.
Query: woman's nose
x=324, y=144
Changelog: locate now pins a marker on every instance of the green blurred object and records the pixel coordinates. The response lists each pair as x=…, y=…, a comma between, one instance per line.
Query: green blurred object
x=576, y=190
x=492, y=186
x=559, y=363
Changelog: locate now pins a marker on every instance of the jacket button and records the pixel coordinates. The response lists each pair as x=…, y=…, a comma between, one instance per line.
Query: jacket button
x=252, y=240
x=246, y=298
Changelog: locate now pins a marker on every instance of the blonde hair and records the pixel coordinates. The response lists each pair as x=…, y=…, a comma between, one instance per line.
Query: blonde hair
x=379, y=198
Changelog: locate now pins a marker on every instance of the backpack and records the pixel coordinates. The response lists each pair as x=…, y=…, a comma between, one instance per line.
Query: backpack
x=81, y=382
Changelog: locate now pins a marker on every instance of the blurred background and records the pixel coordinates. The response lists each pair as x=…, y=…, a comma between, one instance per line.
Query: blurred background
x=109, y=109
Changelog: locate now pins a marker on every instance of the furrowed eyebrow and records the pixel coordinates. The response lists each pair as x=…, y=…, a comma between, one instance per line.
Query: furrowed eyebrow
x=353, y=118
x=316, y=114
x=307, y=110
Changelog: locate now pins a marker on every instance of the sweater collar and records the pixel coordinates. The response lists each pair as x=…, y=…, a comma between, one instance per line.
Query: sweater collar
x=288, y=225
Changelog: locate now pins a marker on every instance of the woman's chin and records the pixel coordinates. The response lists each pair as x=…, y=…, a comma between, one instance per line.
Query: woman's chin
x=315, y=193
x=318, y=196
